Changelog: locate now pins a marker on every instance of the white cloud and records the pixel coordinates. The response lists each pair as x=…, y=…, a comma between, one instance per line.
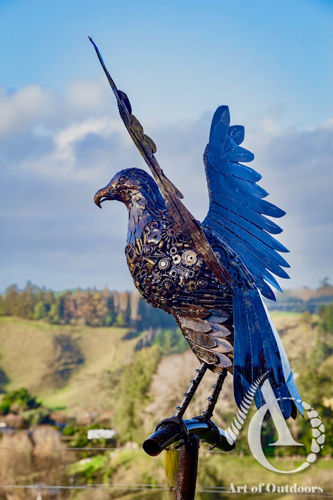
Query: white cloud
x=56, y=150
x=86, y=94
x=62, y=161
x=22, y=108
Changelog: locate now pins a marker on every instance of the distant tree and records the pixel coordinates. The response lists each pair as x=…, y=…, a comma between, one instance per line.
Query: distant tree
x=90, y=307
x=3, y=380
x=27, y=300
x=40, y=310
x=154, y=318
x=326, y=318
x=45, y=296
x=170, y=341
x=3, y=307
x=96, y=308
x=68, y=308
x=325, y=282
x=120, y=320
x=134, y=386
x=22, y=303
x=11, y=300
x=110, y=317
x=307, y=318
x=55, y=311
x=17, y=401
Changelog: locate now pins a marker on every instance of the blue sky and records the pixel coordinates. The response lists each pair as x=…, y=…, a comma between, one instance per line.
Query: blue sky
x=61, y=138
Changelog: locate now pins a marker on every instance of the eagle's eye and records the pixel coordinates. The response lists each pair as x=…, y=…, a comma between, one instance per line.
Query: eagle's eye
x=122, y=179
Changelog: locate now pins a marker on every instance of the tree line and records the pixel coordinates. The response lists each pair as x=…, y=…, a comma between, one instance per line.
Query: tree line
x=87, y=307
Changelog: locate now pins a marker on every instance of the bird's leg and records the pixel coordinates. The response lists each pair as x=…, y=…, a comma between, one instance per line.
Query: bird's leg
x=188, y=395
x=212, y=400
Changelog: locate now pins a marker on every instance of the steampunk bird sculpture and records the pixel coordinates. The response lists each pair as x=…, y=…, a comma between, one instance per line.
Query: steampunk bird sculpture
x=210, y=276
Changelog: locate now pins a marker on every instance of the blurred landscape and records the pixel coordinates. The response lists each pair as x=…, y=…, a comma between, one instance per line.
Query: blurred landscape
x=79, y=360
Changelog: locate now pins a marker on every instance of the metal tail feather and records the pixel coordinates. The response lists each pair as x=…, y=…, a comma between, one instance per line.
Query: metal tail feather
x=258, y=350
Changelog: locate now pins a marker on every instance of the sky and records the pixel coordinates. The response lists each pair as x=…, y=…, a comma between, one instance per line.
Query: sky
x=61, y=137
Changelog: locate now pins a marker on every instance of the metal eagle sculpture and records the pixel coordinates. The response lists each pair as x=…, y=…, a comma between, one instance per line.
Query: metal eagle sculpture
x=210, y=276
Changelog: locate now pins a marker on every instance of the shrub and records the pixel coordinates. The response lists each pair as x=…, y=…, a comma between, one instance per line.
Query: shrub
x=133, y=389
x=17, y=401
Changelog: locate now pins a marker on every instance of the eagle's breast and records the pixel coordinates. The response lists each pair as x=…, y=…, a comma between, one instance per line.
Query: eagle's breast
x=167, y=271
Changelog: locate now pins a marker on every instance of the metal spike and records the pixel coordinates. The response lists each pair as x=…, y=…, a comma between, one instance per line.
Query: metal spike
x=234, y=429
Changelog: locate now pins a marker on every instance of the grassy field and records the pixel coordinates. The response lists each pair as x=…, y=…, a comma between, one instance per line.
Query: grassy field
x=216, y=471
x=78, y=368
x=28, y=350
x=32, y=357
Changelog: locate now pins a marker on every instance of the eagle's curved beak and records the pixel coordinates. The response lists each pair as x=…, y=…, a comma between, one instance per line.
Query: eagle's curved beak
x=102, y=195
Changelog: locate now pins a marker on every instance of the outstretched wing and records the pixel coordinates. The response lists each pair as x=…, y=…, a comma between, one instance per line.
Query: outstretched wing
x=184, y=220
x=237, y=211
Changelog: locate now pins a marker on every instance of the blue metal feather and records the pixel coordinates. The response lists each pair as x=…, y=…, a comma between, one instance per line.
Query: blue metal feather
x=243, y=171
x=252, y=202
x=253, y=263
x=248, y=215
x=237, y=132
x=258, y=350
x=245, y=186
x=256, y=231
x=256, y=247
x=237, y=209
x=237, y=170
x=240, y=154
x=264, y=288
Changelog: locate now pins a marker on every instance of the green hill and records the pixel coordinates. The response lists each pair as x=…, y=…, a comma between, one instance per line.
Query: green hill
x=65, y=366
x=108, y=375
x=77, y=367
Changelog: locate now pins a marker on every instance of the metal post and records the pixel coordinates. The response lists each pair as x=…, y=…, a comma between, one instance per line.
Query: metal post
x=188, y=468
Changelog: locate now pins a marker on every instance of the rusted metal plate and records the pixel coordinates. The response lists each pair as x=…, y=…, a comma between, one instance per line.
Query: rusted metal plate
x=223, y=346
x=220, y=331
x=218, y=318
x=196, y=325
x=202, y=339
x=223, y=360
x=204, y=354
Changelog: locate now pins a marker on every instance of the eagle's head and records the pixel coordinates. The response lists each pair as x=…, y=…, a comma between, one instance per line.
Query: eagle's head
x=129, y=186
